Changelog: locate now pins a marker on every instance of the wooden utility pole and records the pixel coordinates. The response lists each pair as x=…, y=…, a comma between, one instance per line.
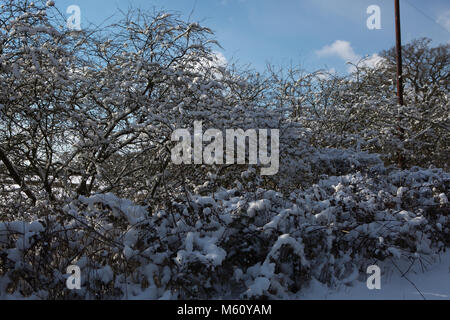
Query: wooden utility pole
x=398, y=34
x=398, y=44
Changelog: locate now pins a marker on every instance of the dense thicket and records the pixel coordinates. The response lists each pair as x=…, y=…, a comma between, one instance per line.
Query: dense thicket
x=86, y=119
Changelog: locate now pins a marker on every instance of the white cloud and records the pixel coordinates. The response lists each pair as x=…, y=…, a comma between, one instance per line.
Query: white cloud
x=372, y=61
x=444, y=19
x=220, y=59
x=343, y=49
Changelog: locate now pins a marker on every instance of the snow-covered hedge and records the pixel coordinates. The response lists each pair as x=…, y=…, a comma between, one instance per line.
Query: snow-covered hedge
x=365, y=119
x=85, y=146
x=227, y=244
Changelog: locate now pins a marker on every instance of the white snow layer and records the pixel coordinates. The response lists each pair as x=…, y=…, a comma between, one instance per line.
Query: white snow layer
x=433, y=284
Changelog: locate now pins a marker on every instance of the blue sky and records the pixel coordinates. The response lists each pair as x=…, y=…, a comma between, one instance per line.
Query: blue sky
x=315, y=34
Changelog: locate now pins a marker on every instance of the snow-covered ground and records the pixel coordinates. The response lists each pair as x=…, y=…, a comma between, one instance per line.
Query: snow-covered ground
x=433, y=284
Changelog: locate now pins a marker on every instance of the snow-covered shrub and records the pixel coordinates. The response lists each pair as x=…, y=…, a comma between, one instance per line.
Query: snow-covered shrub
x=373, y=124
x=362, y=112
x=85, y=135
x=232, y=243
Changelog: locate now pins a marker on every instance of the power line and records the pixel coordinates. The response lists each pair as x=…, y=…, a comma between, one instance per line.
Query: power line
x=427, y=16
